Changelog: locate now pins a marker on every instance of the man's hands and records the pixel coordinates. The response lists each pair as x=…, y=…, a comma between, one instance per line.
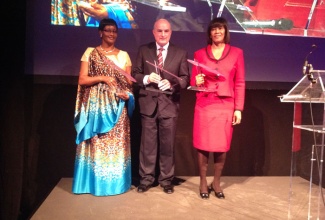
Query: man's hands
x=154, y=78
x=162, y=84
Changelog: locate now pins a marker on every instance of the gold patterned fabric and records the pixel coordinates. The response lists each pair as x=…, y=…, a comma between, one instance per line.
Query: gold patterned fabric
x=103, y=158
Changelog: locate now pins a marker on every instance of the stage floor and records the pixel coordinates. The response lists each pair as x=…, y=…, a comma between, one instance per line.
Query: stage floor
x=266, y=198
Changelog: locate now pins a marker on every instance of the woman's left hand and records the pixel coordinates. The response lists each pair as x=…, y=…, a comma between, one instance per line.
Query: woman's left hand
x=122, y=95
x=236, y=119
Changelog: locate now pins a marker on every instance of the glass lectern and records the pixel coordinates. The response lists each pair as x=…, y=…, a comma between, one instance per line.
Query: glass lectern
x=304, y=195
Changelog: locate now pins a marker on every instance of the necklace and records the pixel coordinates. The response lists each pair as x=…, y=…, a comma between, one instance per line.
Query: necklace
x=106, y=50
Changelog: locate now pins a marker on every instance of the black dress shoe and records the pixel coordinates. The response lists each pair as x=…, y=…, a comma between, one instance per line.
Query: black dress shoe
x=169, y=189
x=219, y=195
x=143, y=188
x=204, y=195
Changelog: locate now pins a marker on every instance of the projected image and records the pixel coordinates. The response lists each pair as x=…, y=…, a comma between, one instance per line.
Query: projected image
x=281, y=17
x=185, y=15
x=89, y=13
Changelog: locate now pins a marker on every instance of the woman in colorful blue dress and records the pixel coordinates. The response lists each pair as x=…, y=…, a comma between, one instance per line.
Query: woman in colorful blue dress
x=104, y=104
x=90, y=13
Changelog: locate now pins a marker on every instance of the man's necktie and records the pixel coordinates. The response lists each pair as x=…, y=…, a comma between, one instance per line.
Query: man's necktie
x=160, y=57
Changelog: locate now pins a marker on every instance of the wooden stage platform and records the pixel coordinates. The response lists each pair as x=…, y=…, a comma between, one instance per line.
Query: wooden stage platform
x=266, y=198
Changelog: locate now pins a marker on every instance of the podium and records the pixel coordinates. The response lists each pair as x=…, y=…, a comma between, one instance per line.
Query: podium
x=308, y=92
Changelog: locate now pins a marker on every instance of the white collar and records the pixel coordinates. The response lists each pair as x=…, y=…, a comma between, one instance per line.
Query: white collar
x=165, y=47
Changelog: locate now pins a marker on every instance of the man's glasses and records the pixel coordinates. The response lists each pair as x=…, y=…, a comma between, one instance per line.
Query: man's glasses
x=110, y=31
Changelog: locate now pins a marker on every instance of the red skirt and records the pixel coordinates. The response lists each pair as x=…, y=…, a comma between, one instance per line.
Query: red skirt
x=212, y=128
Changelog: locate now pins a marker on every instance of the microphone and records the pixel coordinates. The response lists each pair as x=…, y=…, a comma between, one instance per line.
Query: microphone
x=306, y=65
x=280, y=24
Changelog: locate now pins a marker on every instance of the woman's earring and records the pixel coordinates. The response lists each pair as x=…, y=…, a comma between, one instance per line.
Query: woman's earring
x=101, y=35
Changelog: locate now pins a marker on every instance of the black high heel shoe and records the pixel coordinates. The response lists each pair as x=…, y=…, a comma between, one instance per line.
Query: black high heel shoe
x=219, y=195
x=204, y=195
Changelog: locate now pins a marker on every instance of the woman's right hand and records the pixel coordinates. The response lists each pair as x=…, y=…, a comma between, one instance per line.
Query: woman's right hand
x=199, y=79
x=110, y=81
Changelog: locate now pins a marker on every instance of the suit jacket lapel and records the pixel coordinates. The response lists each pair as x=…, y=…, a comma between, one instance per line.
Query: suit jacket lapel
x=170, y=55
x=153, y=53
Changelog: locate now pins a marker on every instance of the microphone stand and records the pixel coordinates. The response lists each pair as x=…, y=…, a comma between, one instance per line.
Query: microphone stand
x=310, y=16
x=309, y=73
x=308, y=68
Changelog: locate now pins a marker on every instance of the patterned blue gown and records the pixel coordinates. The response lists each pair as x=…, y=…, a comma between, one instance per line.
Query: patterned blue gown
x=103, y=157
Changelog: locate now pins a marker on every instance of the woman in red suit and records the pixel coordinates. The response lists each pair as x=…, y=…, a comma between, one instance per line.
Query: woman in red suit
x=217, y=111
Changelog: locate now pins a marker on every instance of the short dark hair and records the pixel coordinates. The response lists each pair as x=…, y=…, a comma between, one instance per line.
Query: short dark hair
x=107, y=21
x=215, y=23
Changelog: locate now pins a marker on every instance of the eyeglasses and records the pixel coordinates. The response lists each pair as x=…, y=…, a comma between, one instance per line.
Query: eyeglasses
x=110, y=31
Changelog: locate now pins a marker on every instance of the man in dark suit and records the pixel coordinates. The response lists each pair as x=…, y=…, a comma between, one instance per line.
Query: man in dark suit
x=159, y=97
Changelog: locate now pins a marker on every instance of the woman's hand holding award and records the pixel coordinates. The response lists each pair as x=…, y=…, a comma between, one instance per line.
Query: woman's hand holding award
x=200, y=77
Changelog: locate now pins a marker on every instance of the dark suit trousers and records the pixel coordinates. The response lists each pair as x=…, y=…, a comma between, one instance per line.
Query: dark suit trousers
x=158, y=138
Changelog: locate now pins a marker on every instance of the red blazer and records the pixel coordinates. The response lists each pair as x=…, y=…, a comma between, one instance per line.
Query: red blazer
x=230, y=65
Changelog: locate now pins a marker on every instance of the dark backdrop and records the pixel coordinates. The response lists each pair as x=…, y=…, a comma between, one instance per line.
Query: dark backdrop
x=37, y=133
